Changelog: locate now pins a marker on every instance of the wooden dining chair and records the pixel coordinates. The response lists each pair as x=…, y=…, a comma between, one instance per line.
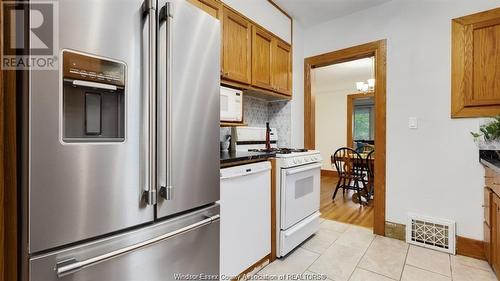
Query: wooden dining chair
x=349, y=165
x=370, y=171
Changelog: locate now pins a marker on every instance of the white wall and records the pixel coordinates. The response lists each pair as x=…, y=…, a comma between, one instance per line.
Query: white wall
x=331, y=124
x=297, y=122
x=265, y=14
x=433, y=170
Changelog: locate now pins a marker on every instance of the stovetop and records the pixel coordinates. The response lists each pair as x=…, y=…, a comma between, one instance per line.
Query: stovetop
x=279, y=150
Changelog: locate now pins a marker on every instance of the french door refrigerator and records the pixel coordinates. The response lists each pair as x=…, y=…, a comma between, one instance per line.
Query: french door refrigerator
x=122, y=161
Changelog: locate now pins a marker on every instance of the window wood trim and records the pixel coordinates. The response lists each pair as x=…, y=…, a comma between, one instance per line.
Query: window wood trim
x=350, y=110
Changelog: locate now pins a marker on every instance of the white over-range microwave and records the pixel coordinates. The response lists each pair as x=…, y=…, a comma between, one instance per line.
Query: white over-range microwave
x=231, y=105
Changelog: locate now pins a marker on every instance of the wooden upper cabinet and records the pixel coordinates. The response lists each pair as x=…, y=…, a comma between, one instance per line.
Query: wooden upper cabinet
x=212, y=7
x=236, y=47
x=476, y=65
x=262, y=54
x=282, y=63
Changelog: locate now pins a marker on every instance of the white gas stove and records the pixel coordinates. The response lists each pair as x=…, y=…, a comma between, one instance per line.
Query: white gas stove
x=297, y=186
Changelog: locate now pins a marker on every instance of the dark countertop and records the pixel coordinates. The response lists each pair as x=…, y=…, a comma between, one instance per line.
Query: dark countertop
x=490, y=159
x=234, y=158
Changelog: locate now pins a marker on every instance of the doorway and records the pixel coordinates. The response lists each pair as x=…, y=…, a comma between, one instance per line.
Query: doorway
x=377, y=50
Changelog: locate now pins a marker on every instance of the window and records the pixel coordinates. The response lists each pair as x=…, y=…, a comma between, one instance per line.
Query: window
x=363, y=123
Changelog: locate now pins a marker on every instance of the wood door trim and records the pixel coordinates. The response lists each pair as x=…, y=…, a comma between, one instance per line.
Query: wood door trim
x=8, y=170
x=2, y=172
x=350, y=102
x=377, y=49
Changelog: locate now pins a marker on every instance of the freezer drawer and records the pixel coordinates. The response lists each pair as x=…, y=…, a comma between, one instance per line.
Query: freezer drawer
x=178, y=249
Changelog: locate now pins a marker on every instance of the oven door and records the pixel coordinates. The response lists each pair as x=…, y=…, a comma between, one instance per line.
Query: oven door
x=300, y=192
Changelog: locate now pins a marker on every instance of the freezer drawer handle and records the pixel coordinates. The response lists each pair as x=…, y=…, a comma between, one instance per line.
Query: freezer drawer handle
x=71, y=266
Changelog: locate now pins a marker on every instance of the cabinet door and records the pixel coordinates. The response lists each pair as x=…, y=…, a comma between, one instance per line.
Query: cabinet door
x=487, y=241
x=282, y=74
x=476, y=65
x=486, y=205
x=487, y=223
x=212, y=7
x=495, y=233
x=262, y=52
x=237, y=49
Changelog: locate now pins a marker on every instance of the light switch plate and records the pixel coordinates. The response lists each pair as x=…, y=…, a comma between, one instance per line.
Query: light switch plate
x=413, y=123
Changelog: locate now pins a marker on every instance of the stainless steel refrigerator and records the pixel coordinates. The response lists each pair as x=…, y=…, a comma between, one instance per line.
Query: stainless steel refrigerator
x=122, y=150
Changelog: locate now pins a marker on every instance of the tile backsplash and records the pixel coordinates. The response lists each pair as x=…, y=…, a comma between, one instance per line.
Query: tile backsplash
x=257, y=112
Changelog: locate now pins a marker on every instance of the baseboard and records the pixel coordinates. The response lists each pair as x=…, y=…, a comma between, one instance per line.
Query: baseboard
x=395, y=230
x=470, y=248
x=254, y=268
x=329, y=173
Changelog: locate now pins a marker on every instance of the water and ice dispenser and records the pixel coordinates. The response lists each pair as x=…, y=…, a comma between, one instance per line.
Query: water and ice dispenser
x=93, y=99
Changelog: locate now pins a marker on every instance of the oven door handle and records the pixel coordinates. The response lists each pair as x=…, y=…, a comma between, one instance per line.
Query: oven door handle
x=303, y=169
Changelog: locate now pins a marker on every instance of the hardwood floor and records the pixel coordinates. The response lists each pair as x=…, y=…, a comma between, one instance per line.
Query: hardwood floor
x=343, y=209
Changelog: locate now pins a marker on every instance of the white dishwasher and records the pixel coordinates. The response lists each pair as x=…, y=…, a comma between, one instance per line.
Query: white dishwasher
x=245, y=224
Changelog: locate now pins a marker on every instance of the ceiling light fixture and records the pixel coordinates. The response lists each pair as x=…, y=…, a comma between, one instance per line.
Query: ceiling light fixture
x=369, y=86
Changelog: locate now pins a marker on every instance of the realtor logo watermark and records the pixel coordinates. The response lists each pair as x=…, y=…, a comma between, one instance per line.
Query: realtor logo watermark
x=30, y=39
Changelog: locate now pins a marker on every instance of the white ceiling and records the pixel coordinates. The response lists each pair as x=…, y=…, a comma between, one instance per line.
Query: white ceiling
x=312, y=12
x=342, y=77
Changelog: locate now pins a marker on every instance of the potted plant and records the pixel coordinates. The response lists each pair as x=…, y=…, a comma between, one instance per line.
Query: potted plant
x=488, y=137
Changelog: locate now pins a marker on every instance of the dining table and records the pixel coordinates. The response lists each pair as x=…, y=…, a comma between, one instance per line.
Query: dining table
x=351, y=159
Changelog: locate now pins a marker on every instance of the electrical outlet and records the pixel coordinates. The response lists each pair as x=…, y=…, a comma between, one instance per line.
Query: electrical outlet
x=413, y=123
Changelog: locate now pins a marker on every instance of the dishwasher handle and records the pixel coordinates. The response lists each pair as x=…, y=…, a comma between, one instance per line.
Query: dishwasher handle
x=248, y=172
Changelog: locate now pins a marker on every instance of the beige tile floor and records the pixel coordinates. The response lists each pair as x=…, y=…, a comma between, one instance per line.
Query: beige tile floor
x=341, y=252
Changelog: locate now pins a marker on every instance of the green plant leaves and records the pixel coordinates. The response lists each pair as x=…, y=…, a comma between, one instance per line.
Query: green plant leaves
x=489, y=131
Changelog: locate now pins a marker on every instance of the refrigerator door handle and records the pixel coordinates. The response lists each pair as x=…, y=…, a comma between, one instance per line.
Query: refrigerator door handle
x=166, y=17
x=72, y=265
x=149, y=10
